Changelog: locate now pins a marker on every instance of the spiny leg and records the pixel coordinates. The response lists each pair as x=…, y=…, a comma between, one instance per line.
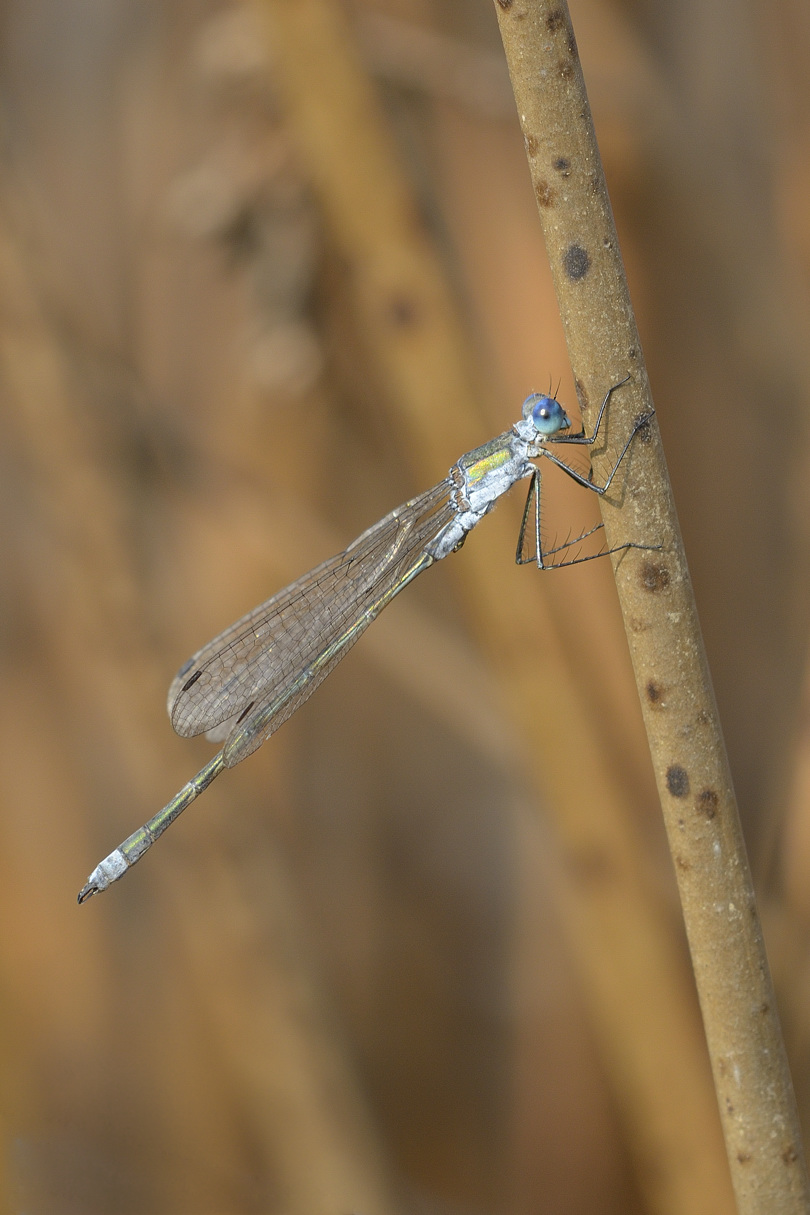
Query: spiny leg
x=535, y=488
x=540, y=556
x=581, y=438
x=603, y=552
x=586, y=482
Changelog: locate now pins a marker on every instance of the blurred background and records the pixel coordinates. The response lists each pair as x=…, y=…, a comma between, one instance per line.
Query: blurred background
x=372, y=970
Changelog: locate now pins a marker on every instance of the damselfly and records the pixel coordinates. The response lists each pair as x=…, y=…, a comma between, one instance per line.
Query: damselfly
x=246, y=682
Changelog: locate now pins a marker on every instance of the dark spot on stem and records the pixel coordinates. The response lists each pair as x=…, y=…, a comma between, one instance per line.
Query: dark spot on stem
x=744, y=1157
x=789, y=1154
x=655, y=693
x=654, y=576
x=677, y=780
x=562, y=166
x=707, y=802
x=555, y=21
x=644, y=432
x=582, y=394
x=546, y=197
x=576, y=262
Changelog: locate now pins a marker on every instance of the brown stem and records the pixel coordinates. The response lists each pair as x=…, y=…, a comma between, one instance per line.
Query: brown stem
x=755, y=1095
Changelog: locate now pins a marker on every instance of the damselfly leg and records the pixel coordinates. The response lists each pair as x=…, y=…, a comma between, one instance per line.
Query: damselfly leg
x=541, y=556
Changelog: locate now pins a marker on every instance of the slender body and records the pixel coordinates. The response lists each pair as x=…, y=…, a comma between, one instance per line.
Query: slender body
x=250, y=679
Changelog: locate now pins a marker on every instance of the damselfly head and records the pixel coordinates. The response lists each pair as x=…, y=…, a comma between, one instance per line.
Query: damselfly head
x=546, y=414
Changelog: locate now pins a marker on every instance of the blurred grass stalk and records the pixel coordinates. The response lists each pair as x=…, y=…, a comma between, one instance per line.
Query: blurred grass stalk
x=640, y=997
x=302, y=1092
x=755, y=1094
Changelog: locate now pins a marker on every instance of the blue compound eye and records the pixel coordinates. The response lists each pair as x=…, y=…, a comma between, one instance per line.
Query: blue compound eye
x=548, y=415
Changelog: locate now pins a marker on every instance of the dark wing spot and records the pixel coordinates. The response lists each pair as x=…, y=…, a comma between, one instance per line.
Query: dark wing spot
x=244, y=713
x=190, y=682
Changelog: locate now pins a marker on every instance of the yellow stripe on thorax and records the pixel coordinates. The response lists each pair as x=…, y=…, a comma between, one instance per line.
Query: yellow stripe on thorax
x=495, y=458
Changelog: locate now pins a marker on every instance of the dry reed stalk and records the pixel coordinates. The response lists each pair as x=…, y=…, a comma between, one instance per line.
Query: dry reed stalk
x=631, y=965
x=320, y=1148
x=755, y=1096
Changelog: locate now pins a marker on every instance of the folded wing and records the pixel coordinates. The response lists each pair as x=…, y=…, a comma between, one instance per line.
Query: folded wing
x=255, y=674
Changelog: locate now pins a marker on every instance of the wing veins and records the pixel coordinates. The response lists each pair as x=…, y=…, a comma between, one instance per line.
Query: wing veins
x=300, y=620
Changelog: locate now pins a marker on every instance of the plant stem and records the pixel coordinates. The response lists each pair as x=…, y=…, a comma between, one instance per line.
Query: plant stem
x=755, y=1095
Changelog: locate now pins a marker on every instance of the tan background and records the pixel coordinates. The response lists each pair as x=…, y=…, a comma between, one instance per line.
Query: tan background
x=350, y=959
